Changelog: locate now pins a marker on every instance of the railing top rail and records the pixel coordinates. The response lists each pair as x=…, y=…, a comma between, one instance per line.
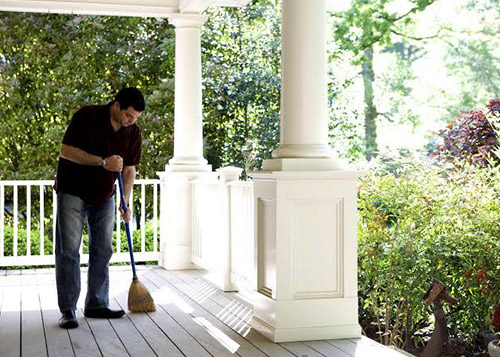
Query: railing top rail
x=26, y=182
x=241, y=183
x=51, y=182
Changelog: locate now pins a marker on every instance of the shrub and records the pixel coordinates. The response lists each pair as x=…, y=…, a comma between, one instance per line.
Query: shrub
x=423, y=222
x=471, y=138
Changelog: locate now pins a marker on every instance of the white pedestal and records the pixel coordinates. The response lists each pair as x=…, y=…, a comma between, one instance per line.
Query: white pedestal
x=306, y=232
x=176, y=214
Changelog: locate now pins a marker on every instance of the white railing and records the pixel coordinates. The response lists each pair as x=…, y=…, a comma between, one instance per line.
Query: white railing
x=243, y=253
x=223, y=238
x=31, y=207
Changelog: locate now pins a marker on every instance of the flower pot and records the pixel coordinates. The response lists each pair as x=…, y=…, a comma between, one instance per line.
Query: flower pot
x=494, y=348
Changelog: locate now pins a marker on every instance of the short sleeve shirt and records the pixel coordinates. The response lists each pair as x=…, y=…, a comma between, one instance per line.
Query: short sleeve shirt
x=90, y=130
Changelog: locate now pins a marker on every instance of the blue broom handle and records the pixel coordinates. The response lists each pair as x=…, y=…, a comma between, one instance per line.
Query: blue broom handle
x=127, y=228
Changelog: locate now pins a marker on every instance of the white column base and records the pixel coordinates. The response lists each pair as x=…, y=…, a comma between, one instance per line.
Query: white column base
x=187, y=168
x=306, y=238
x=302, y=164
x=176, y=212
x=177, y=257
x=305, y=333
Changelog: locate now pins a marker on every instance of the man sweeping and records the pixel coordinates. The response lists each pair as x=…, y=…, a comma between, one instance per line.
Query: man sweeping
x=100, y=141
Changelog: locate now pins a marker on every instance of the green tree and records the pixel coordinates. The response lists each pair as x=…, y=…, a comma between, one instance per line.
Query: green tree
x=367, y=26
x=50, y=65
x=241, y=84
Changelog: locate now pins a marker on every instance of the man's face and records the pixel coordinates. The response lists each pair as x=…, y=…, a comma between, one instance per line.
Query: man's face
x=127, y=116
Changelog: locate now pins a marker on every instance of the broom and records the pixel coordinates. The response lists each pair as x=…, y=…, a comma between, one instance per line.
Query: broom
x=139, y=299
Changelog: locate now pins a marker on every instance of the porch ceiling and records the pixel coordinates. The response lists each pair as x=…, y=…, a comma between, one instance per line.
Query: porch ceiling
x=150, y=8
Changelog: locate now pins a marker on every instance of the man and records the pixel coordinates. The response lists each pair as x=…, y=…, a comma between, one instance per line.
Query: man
x=100, y=141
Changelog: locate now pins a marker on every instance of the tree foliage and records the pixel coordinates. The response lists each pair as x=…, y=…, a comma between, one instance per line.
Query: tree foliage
x=50, y=65
x=241, y=84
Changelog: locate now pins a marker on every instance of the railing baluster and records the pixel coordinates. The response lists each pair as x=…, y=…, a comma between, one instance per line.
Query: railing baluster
x=143, y=217
x=131, y=208
x=15, y=221
x=155, y=215
x=42, y=221
x=2, y=220
x=54, y=220
x=28, y=220
x=118, y=221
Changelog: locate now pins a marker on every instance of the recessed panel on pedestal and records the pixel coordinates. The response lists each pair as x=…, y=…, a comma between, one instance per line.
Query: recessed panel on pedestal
x=266, y=211
x=316, y=239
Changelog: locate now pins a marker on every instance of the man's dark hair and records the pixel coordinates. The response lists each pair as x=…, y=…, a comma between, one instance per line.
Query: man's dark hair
x=131, y=97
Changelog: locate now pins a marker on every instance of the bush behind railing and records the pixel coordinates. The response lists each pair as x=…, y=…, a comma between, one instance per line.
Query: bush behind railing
x=35, y=241
x=420, y=221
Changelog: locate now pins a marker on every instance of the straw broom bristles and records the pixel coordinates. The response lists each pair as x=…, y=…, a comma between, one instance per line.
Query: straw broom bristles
x=139, y=299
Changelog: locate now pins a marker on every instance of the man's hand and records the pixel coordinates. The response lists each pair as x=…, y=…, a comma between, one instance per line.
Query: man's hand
x=126, y=217
x=114, y=163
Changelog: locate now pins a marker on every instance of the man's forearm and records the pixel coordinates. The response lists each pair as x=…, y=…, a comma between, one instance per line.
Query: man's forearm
x=128, y=180
x=79, y=156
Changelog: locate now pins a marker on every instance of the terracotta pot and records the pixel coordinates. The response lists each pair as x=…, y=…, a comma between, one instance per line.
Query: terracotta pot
x=494, y=348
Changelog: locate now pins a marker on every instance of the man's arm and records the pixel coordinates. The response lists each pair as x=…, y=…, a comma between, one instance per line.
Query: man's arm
x=71, y=153
x=128, y=176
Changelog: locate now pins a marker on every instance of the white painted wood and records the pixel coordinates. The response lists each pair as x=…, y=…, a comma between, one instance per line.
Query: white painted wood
x=155, y=217
x=32, y=331
x=326, y=349
x=188, y=130
x=176, y=214
x=243, y=257
x=365, y=346
x=304, y=126
x=10, y=317
x=28, y=220
x=211, y=230
x=54, y=220
x=41, y=225
x=312, y=218
x=84, y=258
x=2, y=219
x=16, y=222
x=143, y=218
x=147, y=8
x=130, y=207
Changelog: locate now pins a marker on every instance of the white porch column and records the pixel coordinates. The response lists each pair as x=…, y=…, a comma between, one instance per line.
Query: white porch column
x=304, y=112
x=305, y=204
x=188, y=163
x=188, y=126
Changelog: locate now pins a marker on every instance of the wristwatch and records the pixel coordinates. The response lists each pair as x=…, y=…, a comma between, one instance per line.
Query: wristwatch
x=102, y=162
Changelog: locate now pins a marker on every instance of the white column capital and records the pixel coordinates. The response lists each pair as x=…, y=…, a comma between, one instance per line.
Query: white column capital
x=187, y=20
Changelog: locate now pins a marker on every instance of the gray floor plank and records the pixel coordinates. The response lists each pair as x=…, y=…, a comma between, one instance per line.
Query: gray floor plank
x=300, y=349
x=141, y=324
x=57, y=340
x=32, y=333
x=184, y=314
x=10, y=318
x=194, y=319
x=245, y=349
x=234, y=314
x=326, y=349
x=366, y=346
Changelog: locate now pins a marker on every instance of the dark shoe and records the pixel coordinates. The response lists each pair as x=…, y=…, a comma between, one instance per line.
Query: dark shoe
x=104, y=313
x=68, y=319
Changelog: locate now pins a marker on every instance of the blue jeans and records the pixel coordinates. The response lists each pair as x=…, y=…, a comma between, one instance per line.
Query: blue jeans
x=71, y=211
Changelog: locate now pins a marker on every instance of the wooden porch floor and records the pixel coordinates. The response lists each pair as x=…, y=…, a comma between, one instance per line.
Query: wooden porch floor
x=193, y=318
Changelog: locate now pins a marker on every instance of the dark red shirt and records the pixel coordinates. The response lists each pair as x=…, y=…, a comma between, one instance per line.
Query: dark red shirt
x=91, y=130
